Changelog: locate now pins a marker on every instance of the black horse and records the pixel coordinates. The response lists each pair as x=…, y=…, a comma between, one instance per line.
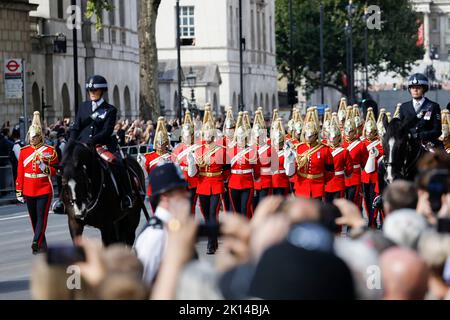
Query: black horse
x=401, y=153
x=89, y=189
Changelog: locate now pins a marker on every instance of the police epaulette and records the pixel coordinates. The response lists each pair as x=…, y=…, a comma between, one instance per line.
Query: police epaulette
x=154, y=223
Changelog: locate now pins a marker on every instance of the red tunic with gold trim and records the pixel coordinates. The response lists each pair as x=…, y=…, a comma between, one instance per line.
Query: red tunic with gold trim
x=211, y=160
x=179, y=155
x=245, y=167
x=310, y=179
x=359, y=155
x=31, y=180
x=264, y=154
x=343, y=167
x=151, y=161
x=279, y=177
x=373, y=176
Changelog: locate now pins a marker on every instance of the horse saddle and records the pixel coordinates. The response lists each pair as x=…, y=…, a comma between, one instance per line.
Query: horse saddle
x=105, y=154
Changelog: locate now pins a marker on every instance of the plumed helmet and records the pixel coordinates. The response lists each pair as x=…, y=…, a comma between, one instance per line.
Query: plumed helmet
x=36, y=127
x=370, y=126
x=97, y=82
x=161, y=135
x=229, y=122
x=342, y=111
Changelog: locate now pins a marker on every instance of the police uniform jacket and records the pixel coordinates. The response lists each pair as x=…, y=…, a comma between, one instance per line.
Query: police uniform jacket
x=426, y=123
x=95, y=127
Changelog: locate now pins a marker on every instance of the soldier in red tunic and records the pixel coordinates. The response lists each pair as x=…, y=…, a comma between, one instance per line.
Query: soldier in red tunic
x=33, y=184
x=160, y=155
x=359, y=155
x=209, y=163
x=280, y=181
x=229, y=127
x=261, y=143
x=313, y=165
x=245, y=169
x=369, y=176
x=343, y=165
x=180, y=153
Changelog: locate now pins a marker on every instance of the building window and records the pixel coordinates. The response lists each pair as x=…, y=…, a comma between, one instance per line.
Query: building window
x=270, y=34
x=60, y=9
x=122, y=13
x=123, y=38
x=112, y=15
x=113, y=36
x=434, y=24
x=187, y=27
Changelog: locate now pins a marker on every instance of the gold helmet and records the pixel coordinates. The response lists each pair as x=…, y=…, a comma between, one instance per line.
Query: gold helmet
x=358, y=119
x=397, y=111
x=326, y=123
x=246, y=121
x=349, y=124
x=370, y=126
x=380, y=127
x=291, y=122
x=445, y=118
x=334, y=131
x=342, y=111
x=278, y=134
x=208, y=127
x=311, y=126
x=229, y=122
x=187, y=129
x=161, y=140
x=241, y=134
x=35, y=129
x=388, y=116
x=298, y=126
x=259, y=134
x=274, y=120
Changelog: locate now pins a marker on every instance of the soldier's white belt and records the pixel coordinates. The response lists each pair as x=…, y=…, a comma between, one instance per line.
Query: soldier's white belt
x=242, y=171
x=266, y=171
x=356, y=166
x=35, y=175
x=279, y=172
x=339, y=173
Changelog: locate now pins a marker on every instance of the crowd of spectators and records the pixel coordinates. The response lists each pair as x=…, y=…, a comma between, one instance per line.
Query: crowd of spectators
x=292, y=248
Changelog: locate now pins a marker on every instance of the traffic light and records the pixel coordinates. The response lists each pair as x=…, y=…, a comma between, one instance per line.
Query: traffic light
x=292, y=94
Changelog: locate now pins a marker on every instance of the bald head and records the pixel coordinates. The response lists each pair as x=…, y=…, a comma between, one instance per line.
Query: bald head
x=302, y=210
x=404, y=274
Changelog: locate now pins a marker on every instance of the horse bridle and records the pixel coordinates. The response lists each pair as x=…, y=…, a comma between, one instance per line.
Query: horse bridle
x=93, y=204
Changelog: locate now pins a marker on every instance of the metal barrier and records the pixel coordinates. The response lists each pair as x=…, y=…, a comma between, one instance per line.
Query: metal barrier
x=134, y=151
x=6, y=176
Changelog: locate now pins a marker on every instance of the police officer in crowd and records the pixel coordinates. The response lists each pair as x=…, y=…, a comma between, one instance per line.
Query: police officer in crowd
x=170, y=194
x=421, y=115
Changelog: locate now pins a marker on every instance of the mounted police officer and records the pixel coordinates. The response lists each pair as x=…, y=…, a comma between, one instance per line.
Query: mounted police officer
x=94, y=126
x=421, y=115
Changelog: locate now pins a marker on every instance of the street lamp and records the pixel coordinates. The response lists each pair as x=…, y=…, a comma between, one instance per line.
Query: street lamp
x=191, y=79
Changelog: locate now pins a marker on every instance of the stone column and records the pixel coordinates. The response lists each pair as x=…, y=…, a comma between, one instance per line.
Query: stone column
x=426, y=34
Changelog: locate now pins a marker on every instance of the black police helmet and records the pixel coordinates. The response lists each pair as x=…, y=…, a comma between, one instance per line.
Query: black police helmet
x=166, y=177
x=97, y=82
x=418, y=79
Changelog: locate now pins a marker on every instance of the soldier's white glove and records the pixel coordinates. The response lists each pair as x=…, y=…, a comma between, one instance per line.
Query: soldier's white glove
x=288, y=154
x=374, y=152
x=21, y=199
x=289, y=162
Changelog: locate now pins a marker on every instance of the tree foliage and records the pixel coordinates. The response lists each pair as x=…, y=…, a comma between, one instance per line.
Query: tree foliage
x=393, y=48
x=96, y=7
